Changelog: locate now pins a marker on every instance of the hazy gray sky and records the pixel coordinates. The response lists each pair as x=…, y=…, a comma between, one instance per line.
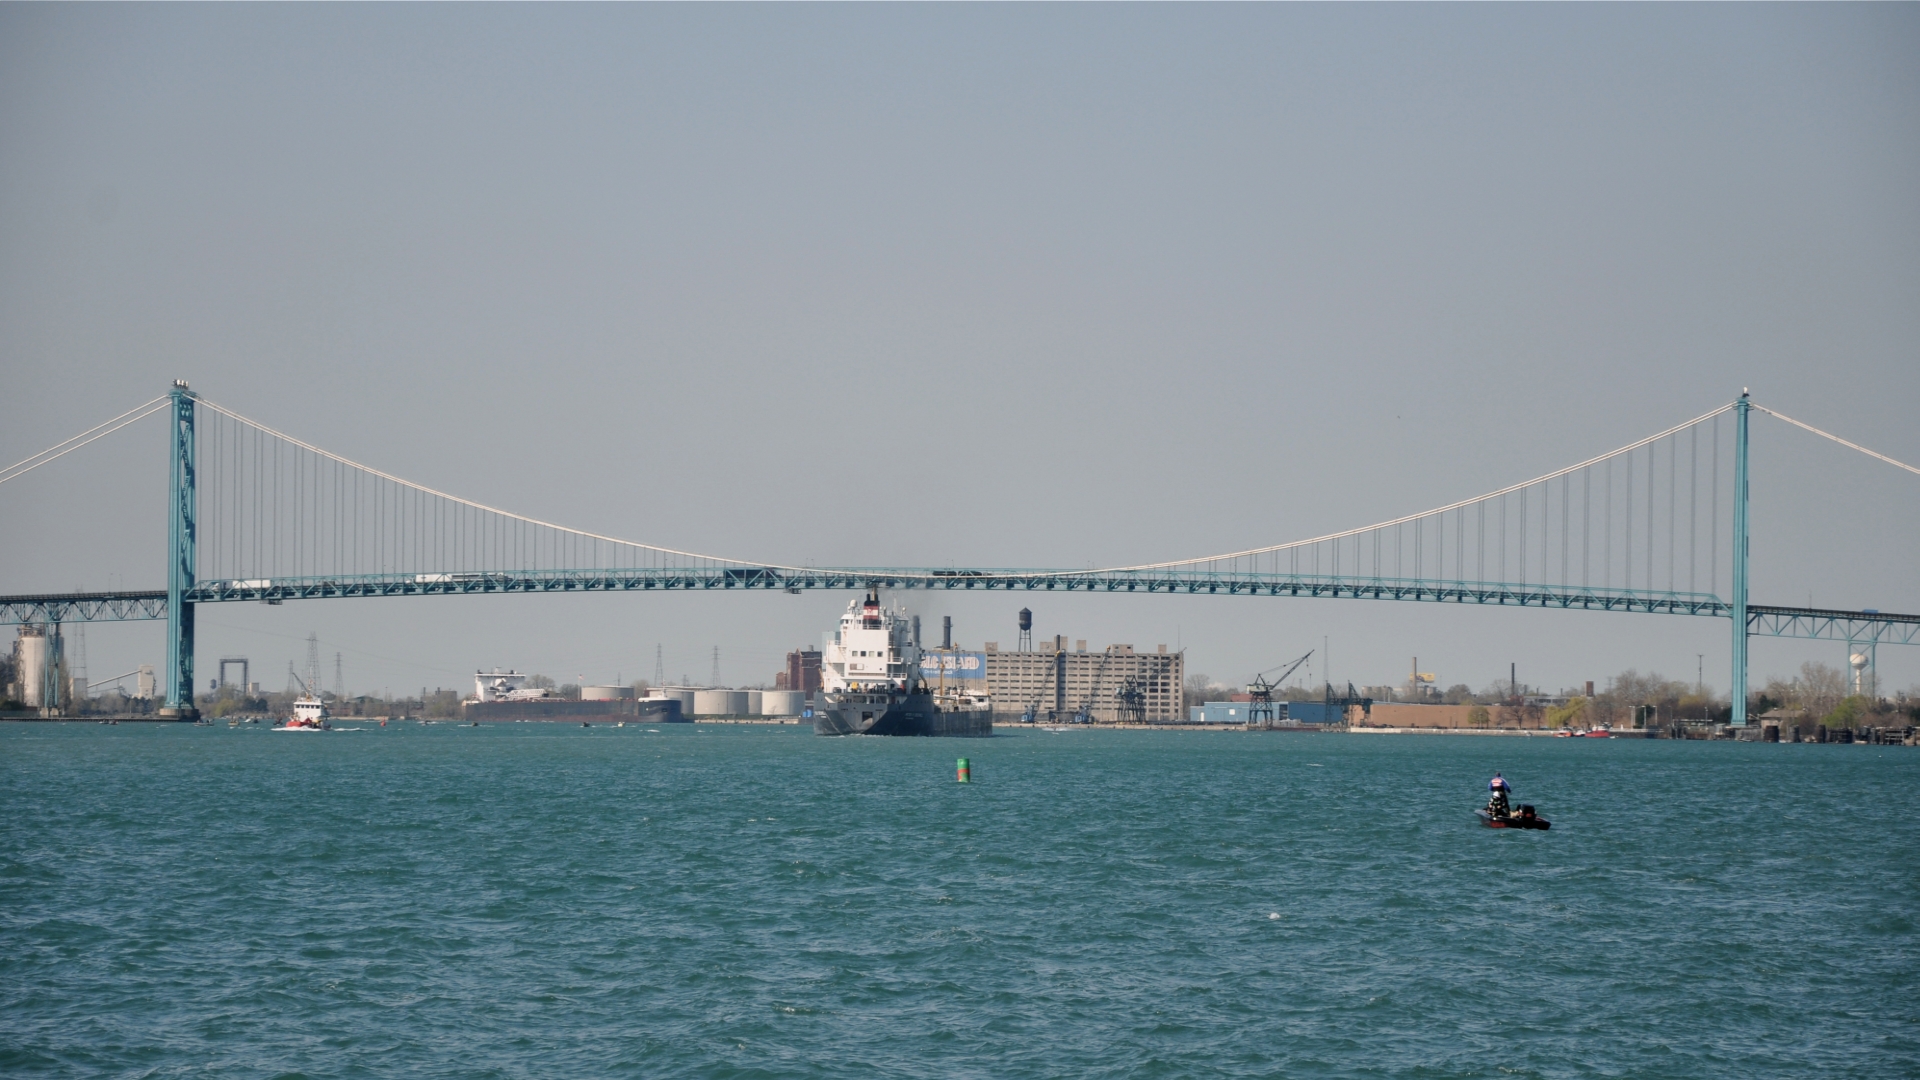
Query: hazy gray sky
x=1069, y=285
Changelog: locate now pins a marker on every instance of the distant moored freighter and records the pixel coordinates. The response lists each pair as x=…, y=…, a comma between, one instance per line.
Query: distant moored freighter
x=871, y=683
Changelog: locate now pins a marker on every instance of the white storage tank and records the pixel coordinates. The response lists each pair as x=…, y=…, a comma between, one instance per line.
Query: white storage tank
x=684, y=697
x=32, y=669
x=782, y=702
x=753, y=702
x=606, y=693
x=719, y=703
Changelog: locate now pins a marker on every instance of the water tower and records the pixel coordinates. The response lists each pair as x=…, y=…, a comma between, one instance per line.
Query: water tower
x=1026, y=631
x=1862, y=663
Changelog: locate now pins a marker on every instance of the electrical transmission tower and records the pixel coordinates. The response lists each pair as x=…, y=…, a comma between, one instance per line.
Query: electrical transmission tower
x=313, y=663
x=659, y=666
x=339, y=682
x=715, y=680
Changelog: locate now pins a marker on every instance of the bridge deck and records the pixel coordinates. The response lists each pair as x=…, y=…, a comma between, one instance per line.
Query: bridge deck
x=1768, y=620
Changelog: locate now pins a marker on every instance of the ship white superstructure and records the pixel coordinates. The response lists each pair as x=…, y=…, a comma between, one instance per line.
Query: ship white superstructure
x=497, y=685
x=871, y=682
x=873, y=650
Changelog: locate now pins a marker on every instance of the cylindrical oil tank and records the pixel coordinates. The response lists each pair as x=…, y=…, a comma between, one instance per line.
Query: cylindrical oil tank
x=606, y=693
x=719, y=702
x=684, y=697
x=753, y=702
x=32, y=671
x=781, y=702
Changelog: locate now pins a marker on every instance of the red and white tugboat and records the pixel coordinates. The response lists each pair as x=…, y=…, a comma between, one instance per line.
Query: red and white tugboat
x=309, y=714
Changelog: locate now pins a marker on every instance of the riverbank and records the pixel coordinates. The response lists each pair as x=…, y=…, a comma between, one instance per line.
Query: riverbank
x=1528, y=732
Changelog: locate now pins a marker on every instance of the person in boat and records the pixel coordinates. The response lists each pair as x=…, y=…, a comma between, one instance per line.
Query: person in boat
x=1497, y=791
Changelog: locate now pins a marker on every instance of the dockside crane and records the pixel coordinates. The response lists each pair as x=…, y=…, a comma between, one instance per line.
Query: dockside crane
x=1032, y=715
x=1131, y=699
x=1084, y=714
x=1260, y=692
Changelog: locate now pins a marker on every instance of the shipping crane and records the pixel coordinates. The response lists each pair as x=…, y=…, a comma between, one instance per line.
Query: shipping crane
x=1260, y=692
x=1084, y=714
x=1132, y=701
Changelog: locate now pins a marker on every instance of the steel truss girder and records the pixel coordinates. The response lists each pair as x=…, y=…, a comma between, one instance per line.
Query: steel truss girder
x=1829, y=624
x=1819, y=623
x=83, y=607
x=755, y=577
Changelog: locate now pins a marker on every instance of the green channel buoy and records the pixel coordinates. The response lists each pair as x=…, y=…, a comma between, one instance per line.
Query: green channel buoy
x=965, y=772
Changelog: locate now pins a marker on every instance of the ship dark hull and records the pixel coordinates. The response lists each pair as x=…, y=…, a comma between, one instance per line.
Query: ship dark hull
x=643, y=711
x=899, y=714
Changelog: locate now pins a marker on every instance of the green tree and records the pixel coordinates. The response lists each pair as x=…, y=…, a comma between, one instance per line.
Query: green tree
x=1820, y=689
x=1848, y=713
x=1573, y=713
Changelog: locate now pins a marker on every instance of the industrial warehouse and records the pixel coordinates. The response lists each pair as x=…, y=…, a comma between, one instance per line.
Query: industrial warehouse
x=1114, y=685
x=1052, y=684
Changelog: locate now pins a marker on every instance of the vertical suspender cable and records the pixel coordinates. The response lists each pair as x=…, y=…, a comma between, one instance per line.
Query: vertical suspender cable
x=1713, y=519
x=1650, y=518
x=1523, y=536
x=1626, y=563
x=1606, y=543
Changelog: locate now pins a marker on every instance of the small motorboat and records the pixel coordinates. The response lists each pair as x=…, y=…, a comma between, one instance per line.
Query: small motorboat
x=1523, y=818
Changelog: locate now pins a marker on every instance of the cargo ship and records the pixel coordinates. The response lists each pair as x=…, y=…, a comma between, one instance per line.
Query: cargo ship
x=504, y=696
x=871, y=682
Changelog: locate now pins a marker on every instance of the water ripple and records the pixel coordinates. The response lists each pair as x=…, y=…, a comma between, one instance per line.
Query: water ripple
x=540, y=902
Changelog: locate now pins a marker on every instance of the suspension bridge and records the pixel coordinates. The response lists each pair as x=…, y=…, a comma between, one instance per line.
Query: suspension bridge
x=254, y=514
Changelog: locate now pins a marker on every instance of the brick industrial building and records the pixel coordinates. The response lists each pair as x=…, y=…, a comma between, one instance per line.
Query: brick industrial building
x=802, y=674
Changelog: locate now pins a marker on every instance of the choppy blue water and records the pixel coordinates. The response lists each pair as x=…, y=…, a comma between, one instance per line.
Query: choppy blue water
x=545, y=901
